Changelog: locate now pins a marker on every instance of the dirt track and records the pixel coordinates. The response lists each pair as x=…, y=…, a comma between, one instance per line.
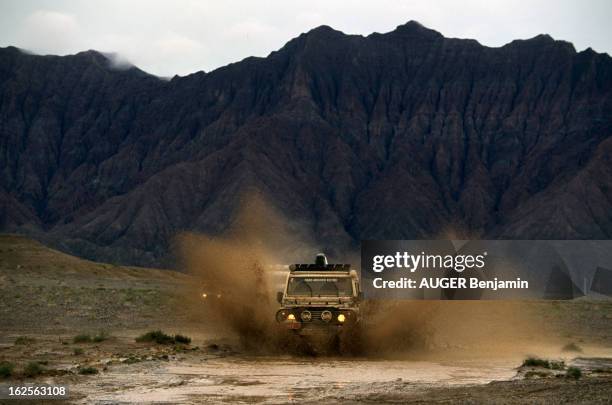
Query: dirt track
x=280, y=380
x=50, y=298
x=133, y=372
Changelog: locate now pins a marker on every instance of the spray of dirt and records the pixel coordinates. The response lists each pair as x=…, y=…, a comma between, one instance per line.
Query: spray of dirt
x=447, y=329
x=239, y=273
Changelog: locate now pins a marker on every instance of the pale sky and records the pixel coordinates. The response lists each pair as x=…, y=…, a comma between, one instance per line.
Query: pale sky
x=183, y=36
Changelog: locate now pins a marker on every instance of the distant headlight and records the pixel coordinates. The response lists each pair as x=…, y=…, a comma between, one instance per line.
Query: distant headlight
x=341, y=318
x=291, y=317
x=306, y=316
x=326, y=316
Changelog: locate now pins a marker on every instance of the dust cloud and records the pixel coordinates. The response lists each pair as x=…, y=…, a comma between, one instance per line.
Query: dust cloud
x=444, y=329
x=240, y=272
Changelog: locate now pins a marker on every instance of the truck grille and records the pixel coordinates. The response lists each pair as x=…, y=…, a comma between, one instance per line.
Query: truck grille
x=316, y=314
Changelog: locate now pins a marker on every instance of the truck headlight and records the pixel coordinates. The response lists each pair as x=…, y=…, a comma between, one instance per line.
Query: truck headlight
x=326, y=316
x=341, y=318
x=283, y=315
x=306, y=316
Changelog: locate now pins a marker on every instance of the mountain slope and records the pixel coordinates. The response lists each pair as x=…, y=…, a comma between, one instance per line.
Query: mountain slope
x=392, y=136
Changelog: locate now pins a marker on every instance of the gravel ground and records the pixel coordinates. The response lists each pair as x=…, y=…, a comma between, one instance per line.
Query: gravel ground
x=48, y=298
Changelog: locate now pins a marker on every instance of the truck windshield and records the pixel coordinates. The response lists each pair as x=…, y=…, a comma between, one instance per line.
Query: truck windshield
x=320, y=286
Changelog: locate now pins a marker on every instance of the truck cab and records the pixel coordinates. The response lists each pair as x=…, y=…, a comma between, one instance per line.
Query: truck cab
x=320, y=299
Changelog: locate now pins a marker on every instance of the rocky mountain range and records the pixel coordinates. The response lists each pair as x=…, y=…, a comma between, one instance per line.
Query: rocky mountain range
x=401, y=135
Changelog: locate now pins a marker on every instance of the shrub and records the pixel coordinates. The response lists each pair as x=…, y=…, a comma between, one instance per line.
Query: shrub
x=557, y=365
x=182, y=339
x=156, y=336
x=535, y=362
x=24, y=340
x=78, y=351
x=88, y=370
x=32, y=369
x=162, y=338
x=83, y=338
x=6, y=369
x=573, y=372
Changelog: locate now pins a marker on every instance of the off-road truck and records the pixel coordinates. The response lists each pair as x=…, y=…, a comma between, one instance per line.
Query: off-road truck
x=320, y=304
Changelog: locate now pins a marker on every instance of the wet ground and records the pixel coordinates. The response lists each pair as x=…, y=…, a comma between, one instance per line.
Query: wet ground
x=207, y=372
x=204, y=372
x=472, y=353
x=279, y=380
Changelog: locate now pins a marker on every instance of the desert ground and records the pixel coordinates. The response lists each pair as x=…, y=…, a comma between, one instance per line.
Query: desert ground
x=64, y=320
